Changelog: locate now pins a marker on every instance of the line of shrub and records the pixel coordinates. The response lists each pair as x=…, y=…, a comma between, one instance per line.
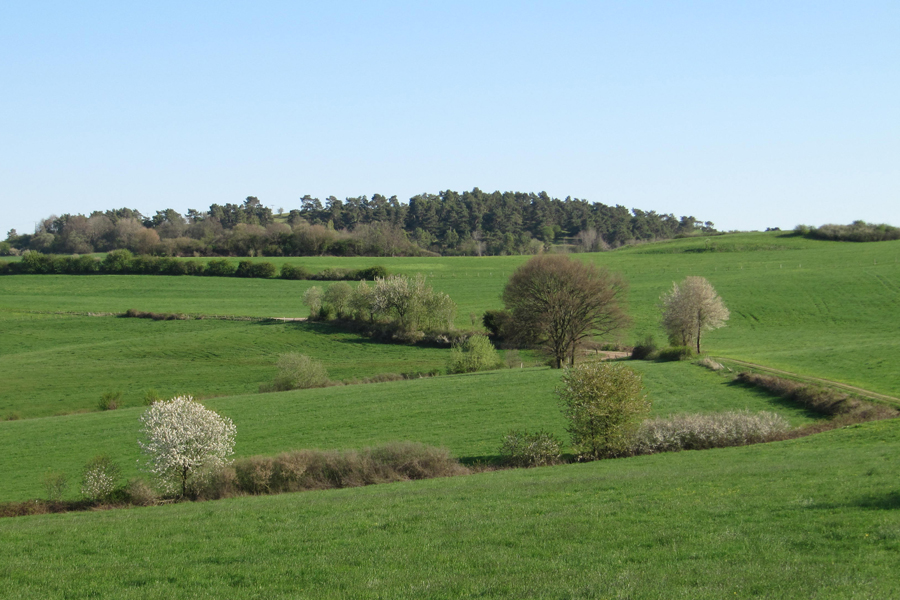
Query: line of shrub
x=123, y=262
x=300, y=470
x=133, y=313
x=858, y=231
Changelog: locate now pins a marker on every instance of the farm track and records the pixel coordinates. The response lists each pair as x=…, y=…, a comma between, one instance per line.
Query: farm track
x=850, y=388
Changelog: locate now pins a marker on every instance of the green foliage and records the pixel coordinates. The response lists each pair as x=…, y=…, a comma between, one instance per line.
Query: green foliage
x=475, y=353
x=297, y=371
x=99, y=478
x=858, y=231
x=55, y=484
x=219, y=268
x=603, y=403
x=675, y=353
x=110, y=401
x=338, y=296
x=523, y=449
x=116, y=262
x=289, y=271
x=645, y=350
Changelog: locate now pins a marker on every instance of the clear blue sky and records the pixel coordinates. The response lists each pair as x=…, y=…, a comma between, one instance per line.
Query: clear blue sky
x=748, y=114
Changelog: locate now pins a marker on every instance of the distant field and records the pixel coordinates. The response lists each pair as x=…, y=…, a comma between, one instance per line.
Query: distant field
x=811, y=518
x=468, y=414
x=827, y=309
x=55, y=364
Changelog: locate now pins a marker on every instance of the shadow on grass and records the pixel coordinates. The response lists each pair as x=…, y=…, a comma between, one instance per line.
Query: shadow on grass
x=778, y=401
x=883, y=501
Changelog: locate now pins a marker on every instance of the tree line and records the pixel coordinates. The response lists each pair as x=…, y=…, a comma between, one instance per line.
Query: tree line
x=472, y=223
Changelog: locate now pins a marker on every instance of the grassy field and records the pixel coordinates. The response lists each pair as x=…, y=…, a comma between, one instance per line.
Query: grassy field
x=468, y=414
x=817, y=517
x=57, y=364
x=825, y=309
x=812, y=518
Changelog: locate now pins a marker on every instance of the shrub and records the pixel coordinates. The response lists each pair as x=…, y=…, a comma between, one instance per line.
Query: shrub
x=645, y=350
x=312, y=298
x=262, y=270
x=523, y=449
x=315, y=469
x=219, y=268
x=604, y=403
x=151, y=396
x=110, y=401
x=702, y=431
x=673, y=353
x=99, y=478
x=338, y=297
x=710, y=364
x=476, y=353
x=818, y=399
x=140, y=493
x=297, y=371
x=191, y=267
x=4, y=268
x=497, y=322
x=370, y=274
x=183, y=442
x=294, y=272
x=55, y=484
x=244, y=269
x=116, y=262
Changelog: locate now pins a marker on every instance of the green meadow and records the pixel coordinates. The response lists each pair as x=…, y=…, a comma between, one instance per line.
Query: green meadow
x=817, y=517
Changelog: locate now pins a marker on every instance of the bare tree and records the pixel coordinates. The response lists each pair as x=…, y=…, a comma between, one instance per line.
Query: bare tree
x=560, y=301
x=691, y=308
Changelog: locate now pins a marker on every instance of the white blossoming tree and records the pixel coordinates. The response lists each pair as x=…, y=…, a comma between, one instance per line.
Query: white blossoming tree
x=182, y=439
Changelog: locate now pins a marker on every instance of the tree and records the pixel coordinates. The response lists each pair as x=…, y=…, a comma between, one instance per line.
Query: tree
x=560, y=302
x=604, y=403
x=183, y=439
x=689, y=309
x=476, y=353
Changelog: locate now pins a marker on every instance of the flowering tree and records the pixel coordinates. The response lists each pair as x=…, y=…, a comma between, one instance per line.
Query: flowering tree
x=182, y=438
x=691, y=308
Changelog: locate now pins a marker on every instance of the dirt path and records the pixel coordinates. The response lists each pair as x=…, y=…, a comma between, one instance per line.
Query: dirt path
x=837, y=384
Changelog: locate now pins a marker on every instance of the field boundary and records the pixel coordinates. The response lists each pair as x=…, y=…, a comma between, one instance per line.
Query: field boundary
x=819, y=380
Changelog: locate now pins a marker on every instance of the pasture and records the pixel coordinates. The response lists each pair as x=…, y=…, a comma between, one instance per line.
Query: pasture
x=814, y=517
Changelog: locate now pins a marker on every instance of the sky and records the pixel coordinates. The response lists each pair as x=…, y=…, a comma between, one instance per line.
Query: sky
x=748, y=114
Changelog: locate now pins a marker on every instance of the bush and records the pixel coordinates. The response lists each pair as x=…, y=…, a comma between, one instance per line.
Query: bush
x=139, y=493
x=110, y=401
x=673, y=353
x=55, y=484
x=312, y=298
x=297, y=371
x=702, y=431
x=151, y=396
x=497, y=322
x=604, y=403
x=370, y=274
x=338, y=297
x=523, y=449
x=645, y=350
x=476, y=353
x=116, y=262
x=316, y=470
x=244, y=269
x=294, y=272
x=184, y=442
x=710, y=364
x=263, y=270
x=99, y=479
x=219, y=268
x=818, y=399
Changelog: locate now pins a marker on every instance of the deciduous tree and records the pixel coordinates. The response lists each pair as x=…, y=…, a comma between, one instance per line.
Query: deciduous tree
x=690, y=308
x=561, y=302
x=183, y=438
